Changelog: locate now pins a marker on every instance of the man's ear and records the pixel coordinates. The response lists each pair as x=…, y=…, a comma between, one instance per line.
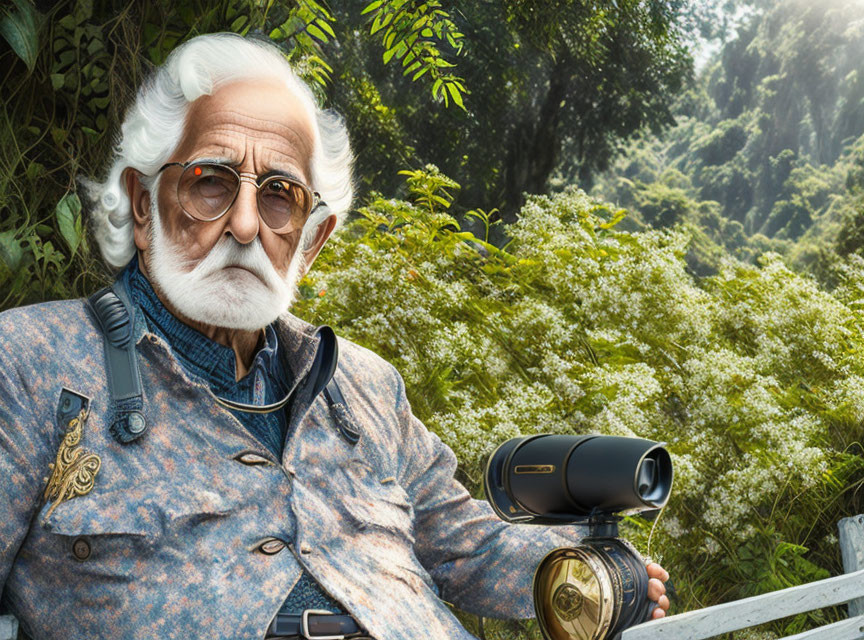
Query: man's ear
x=325, y=228
x=139, y=202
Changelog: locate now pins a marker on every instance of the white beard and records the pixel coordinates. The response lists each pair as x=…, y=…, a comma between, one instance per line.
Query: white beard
x=220, y=297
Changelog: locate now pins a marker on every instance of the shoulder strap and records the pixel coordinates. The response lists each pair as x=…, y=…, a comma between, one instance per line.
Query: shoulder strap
x=328, y=352
x=345, y=421
x=114, y=314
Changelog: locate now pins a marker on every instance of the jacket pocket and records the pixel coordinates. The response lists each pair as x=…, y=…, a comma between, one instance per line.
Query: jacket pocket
x=146, y=509
x=118, y=533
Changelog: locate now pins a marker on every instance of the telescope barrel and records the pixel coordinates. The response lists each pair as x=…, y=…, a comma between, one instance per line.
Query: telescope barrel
x=556, y=478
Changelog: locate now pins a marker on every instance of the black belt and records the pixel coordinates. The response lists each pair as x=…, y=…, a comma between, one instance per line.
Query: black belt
x=314, y=624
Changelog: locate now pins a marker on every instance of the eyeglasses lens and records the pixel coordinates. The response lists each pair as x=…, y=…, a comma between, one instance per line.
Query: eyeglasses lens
x=284, y=204
x=206, y=191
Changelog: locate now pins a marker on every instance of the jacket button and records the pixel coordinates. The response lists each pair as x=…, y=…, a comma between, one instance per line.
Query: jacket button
x=136, y=423
x=305, y=549
x=271, y=546
x=252, y=459
x=81, y=549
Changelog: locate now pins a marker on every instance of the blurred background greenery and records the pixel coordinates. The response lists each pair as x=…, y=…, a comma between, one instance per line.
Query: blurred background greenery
x=634, y=217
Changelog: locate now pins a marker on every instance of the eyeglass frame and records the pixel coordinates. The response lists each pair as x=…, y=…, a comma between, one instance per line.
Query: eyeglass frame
x=242, y=176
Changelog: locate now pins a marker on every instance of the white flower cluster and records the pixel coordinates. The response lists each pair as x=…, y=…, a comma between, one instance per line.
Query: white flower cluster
x=753, y=377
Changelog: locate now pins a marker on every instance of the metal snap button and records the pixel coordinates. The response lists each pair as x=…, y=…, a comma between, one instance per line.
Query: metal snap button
x=305, y=549
x=269, y=546
x=136, y=423
x=272, y=547
x=81, y=549
x=252, y=459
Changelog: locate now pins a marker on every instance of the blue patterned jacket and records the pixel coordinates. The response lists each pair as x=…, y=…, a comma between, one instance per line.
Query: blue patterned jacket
x=174, y=524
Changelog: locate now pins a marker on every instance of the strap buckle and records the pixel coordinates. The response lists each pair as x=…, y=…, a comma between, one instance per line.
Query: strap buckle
x=304, y=625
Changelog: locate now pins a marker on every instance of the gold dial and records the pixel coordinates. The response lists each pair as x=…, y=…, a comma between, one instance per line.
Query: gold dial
x=573, y=596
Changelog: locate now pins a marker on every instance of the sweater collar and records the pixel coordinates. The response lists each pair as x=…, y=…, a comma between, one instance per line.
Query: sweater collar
x=199, y=354
x=298, y=341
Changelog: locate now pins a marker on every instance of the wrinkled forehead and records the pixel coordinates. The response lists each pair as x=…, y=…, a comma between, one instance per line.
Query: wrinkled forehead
x=260, y=124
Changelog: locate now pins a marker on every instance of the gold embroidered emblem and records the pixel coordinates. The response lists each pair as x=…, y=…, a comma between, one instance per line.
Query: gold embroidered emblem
x=74, y=471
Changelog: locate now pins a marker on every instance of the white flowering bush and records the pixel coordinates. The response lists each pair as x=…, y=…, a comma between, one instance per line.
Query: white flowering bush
x=754, y=377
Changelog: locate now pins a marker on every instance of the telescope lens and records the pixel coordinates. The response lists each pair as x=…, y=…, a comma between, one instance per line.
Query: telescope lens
x=647, y=478
x=654, y=478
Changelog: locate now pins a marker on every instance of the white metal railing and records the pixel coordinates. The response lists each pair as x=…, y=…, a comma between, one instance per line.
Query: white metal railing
x=8, y=628
x=749, y=612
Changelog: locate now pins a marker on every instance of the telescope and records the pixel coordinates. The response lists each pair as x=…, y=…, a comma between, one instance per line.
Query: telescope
x=594, y=590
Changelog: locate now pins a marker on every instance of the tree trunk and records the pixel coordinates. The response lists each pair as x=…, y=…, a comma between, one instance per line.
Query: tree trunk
x=534, y=146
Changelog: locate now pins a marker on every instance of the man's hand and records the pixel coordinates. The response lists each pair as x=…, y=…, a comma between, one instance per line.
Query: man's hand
x=657, y=590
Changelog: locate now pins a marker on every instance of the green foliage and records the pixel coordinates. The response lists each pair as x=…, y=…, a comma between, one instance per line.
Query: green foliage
x=430, y=187
x=663, y=206
x=19, y=27
x=69, y=222
x=544, y=107
x=485, y=217
x=769, y=131
x=753, y=375
x=721, y=144
x=849, y=238
x=377, y=136
x=308, y=26
x=413, y=32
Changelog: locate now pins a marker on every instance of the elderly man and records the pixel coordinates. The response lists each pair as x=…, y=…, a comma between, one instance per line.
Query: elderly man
x=185, y=459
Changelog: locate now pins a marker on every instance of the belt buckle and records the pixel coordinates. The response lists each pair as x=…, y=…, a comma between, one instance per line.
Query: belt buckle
x=304, y=625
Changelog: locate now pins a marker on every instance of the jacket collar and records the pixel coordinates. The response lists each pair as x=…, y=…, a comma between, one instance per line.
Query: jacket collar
x=298, y=340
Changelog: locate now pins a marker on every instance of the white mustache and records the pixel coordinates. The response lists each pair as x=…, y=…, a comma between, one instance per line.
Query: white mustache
x=230, y=253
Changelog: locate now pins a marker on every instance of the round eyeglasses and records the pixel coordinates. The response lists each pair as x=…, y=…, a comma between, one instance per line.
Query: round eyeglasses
x=206, y=191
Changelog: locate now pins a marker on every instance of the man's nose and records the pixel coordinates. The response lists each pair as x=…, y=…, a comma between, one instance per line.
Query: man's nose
x=243, y=221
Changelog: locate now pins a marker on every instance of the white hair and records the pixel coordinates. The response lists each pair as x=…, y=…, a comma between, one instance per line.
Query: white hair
x=153, y=128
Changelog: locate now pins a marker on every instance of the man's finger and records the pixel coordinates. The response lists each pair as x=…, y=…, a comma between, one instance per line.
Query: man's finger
x=656, y=571
x=655, y=589
x=663, y=603
x=657, y=613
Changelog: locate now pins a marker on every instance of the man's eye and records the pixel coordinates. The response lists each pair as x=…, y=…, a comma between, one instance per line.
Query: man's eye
x=210, y=186
x=275, y=187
